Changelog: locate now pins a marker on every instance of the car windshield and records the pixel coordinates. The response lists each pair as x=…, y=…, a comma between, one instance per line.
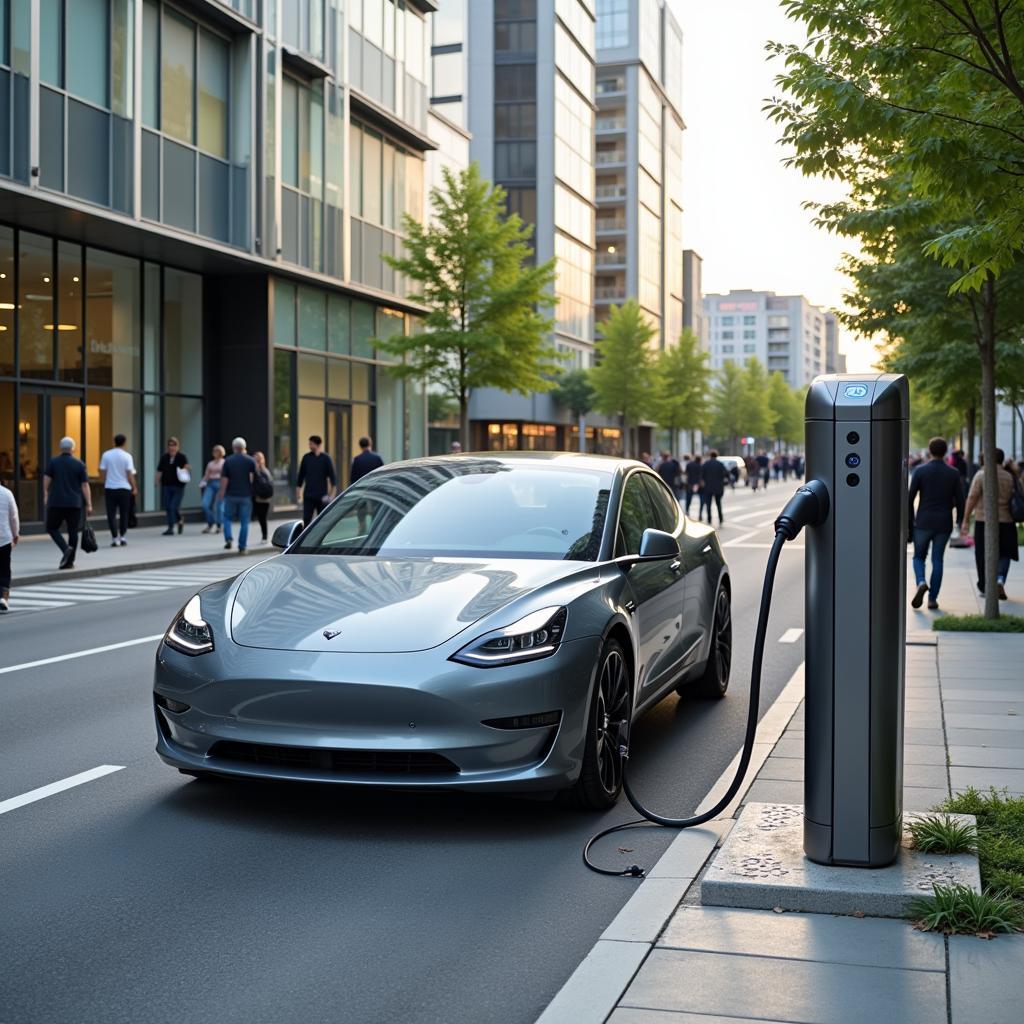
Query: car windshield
x=466, y=507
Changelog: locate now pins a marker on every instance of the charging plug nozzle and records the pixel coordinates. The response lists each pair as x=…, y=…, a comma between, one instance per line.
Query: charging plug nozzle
x=808, y=507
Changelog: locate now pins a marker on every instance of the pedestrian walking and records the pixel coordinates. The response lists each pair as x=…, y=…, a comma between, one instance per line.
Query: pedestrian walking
x=713, y=476
x=65, y=492
x=316, y=480
x=366, y=461
x=753, y=473
x=210, y=486
x=693, y=481
x=172, y=474
x=119, y=487
x=262, y=492
x=669, y=471
x=763, y=467
x=236, y=477
x=9, y=529
x=1006, y=529
x=939, y=491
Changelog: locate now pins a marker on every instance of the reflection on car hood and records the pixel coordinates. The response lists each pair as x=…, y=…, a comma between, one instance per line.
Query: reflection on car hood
x=376, y=605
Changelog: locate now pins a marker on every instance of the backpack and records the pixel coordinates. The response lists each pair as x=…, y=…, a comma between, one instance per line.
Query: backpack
x=262, y=485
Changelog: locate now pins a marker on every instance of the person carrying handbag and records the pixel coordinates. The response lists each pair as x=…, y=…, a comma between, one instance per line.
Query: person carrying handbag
x=262, y=492
x=1005, y=532
x=172, y=474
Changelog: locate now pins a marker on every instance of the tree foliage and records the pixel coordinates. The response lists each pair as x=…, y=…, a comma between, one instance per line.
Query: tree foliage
x=758, y=416
x=682, y=382
x=623, y=377
x=573, y=391
x=486, y=324
x=787, y=410
x=728, y=399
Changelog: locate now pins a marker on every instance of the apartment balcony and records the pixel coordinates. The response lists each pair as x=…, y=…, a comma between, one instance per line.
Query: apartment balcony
x=610, y=87
x=606, y=124
x=609, y=157
x=605, y=294
x=610, y=192
x=614, y=225
x=611, y=260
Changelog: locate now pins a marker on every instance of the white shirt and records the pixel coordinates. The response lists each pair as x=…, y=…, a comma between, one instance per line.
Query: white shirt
x=117, y=464
x=9, y=527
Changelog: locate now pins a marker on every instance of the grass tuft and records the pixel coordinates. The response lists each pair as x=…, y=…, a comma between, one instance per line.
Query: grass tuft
x=979, y=624
x=939, y=833
x=959, y=910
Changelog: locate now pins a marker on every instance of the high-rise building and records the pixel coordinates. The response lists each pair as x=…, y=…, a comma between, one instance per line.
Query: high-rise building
x=835, y=361
x=785, y=332
x=693, y=296
x=639, y=153
x=194, y=199
x=530, y=102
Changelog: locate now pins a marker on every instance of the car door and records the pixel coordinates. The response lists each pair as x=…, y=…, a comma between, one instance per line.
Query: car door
x=649, y=583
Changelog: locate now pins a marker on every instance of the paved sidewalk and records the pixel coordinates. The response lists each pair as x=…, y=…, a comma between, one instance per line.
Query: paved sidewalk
x=36, y=558
x=666, y=959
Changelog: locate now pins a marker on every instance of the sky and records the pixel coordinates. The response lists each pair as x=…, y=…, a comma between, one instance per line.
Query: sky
x=742, y=209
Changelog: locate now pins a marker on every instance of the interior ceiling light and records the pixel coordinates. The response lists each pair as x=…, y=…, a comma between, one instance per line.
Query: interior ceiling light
x=61, y=327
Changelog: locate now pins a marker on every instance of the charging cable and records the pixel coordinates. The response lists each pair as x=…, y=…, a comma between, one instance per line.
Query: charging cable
x=809, y=506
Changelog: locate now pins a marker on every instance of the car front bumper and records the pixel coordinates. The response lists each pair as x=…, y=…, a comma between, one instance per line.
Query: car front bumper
x=374, y=719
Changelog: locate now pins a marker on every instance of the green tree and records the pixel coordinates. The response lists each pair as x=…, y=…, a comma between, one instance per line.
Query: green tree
x=573, y=391
x=758, y=415
x=623, y=377
x=728, y=401
x=787, y=410
x=925, y=93
x=682, y=387
x=485, y=324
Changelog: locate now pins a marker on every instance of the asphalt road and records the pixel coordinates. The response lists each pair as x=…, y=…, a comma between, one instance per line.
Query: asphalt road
x=143, y=896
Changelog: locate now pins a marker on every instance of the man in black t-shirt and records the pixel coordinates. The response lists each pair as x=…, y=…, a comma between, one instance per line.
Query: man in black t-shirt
x=713, y=476
x=316, y=480
x=668, y=469
x=236, y=477
x=172, y=487
x=693, y=481
x=65, y=491
x=366, y=461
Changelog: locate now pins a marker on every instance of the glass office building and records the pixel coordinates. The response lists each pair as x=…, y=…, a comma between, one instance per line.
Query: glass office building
x=194, y=200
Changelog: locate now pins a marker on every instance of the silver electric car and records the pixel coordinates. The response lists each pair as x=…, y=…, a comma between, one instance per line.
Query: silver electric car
x=453, y=622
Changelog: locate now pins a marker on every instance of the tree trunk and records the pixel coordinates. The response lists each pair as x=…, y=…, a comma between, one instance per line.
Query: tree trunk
x=464, y=421
x=582, y=427
x=693, y=441
x=625, y=436
x=988, y=445
x=972, y=424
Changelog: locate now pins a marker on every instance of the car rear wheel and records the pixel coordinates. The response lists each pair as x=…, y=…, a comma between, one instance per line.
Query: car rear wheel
x=714, y=682
x=600, y=781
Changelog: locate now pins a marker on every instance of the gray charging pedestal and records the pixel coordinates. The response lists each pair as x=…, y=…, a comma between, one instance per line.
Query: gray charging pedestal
x=856, y=567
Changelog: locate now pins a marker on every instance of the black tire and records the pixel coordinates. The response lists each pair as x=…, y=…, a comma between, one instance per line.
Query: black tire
x=600, y=781
x=714, y=682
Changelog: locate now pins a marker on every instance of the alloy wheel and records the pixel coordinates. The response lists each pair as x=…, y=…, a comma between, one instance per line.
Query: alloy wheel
x=611, y=719
x=723, y=635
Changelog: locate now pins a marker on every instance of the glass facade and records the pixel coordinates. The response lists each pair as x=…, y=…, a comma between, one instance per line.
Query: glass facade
x=96, y=343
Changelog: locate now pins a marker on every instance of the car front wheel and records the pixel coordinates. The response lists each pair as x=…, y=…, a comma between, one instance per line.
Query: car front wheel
x=600, y=781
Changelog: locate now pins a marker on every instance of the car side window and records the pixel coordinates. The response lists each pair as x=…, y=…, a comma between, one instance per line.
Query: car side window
x=635, y=516
x=666, y=508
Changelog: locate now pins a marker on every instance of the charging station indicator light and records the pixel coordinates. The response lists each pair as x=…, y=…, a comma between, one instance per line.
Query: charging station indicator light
x=856, y=391
x=853, y=460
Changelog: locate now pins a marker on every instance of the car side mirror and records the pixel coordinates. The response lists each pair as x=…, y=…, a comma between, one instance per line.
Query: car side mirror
x=285, y=534
x=655, y=546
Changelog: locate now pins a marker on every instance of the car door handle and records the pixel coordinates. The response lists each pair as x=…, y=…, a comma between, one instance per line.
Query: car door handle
x=676, y=565
x=631, y=606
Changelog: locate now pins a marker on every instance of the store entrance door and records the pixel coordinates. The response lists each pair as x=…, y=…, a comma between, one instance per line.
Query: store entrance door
x=44, y=417
x=338, y=442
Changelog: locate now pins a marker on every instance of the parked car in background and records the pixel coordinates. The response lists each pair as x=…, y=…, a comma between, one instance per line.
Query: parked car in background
x=735, y=465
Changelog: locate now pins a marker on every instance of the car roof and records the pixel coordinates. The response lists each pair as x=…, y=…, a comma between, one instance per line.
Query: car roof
x=565, y=460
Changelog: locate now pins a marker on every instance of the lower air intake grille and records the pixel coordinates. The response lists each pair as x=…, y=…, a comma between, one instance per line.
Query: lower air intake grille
x=344, y=762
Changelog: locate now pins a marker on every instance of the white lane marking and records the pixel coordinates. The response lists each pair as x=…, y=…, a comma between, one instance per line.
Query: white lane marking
x=78, y=597
x=749, y=515
x=791, y=636
x=81, y=654
x=767, y=522
x=737, y=540
x=58, y=787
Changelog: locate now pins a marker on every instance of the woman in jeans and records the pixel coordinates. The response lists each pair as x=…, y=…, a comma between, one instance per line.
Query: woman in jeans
x=261, y=506
x=9, y=529
x=1007, y=529
x=210, y=485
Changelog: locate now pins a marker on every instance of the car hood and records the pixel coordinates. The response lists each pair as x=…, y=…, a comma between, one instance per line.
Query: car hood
x=376, y=605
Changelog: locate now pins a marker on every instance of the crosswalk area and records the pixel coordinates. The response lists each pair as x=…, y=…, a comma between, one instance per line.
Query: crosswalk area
x=62, y=593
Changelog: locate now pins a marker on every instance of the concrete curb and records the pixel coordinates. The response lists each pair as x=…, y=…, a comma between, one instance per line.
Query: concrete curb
x=598, y=983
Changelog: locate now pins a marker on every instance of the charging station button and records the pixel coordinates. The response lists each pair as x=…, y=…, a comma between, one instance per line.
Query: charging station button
x=853, y=460
x=855, y=391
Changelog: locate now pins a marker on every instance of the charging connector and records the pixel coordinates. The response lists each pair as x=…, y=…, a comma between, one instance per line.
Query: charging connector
x=808, y=507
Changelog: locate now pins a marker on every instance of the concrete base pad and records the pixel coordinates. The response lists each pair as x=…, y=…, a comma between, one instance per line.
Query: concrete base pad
x=762, y=865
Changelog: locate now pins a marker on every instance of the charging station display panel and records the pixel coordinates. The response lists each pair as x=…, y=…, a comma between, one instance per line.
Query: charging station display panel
x=857, y=433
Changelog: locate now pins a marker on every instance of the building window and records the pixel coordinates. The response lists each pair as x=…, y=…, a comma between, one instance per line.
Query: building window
x=749, y=321
x=728, y=320
x=728, y=335
x=612, y=23
x=748, y=335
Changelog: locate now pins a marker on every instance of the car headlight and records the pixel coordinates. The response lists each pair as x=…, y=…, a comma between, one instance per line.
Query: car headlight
x=190, y=633
x=536, y=635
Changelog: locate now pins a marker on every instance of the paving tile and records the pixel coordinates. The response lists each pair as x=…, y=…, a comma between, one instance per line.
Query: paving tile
x=923, y=720
x=923, y=798
x=791, y=769
x=986, y=738
x=647, y=910
x=870, y=942
x=952, y=693
x=1012, y=723
x=789, y=990
x=596, y=985
x=687, y=853
x=976, y=705
x=986, y=979
x=921, y=704
x=789, y=747
x=772, y=791
x=924, y=737
x=1010, y=686
x=783, y=769
x=986, y=757
x=628, y=1015
x=931, y=776
x=913, y=754
x=981, y=778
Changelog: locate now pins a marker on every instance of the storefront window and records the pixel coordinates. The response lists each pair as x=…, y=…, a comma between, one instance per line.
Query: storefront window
x=35, y=300
x=362, y=329
x=6, y=302
x=337, y=325
x=284, y=375
x=7, y=434
x=112, y=321
x=183, y=419
x=311, y=375
x=69, y=313
x=312, y=319
x=108, y=413
x=284, y=313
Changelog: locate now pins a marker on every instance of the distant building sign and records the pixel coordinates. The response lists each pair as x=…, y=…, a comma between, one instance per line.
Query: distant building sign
x=737, y=307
